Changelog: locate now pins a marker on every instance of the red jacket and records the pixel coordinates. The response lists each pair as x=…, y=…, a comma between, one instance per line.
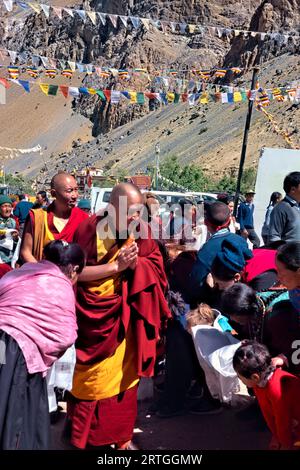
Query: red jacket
x=263, y=260
x=280, y=404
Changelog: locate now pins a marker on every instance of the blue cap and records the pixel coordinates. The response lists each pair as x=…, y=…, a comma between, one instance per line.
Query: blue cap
x=234, y=255
x=5, y=200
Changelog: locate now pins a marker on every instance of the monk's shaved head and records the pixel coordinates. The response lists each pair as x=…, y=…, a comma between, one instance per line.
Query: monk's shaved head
x=64, y=189
x=128, y=190
x=60, y=179
x=127, y=202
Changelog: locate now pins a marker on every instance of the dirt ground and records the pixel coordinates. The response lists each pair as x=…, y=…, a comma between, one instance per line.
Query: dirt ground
x=240, y=427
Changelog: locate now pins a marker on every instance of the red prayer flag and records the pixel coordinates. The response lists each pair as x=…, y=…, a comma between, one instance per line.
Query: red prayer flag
x=5, y=82
x=65, y=90
x=107, y=94
x=184, y=97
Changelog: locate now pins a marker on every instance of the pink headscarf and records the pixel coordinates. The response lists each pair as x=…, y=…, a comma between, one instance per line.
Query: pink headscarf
x=37, y=308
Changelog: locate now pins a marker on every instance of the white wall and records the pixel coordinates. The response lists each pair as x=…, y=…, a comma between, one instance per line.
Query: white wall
x=274, y=165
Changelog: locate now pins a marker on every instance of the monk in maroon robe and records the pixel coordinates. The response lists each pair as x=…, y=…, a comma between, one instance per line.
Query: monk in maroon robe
x=58, y=222
x=120, y=306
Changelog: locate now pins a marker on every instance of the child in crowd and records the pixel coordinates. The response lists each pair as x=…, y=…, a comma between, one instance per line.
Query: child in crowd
x=204, y=315
x=277, y=393
x=215, y=349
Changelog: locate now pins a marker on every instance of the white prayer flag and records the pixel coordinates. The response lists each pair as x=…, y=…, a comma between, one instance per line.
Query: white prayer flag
x=115, y=97
x=92, y=16
x=82, y=14
x=2, y=94
x=8, y=4
x=58, y=12
x=69, y=11
x=46, y=9
x=73, y=91
x=173, y=27
x=224, y=98
x=45, y=61
x=13, y=56
x=135, y=21
x=102, y=17
x=114, y=20
x=124, y=20
x=72, y=65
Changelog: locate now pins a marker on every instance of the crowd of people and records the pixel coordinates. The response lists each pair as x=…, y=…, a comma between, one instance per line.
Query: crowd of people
x=97, y=302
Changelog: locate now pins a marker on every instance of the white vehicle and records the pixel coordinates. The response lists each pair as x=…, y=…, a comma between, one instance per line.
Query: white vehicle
x=170, y=197
x=207, y=197
x=100, y=197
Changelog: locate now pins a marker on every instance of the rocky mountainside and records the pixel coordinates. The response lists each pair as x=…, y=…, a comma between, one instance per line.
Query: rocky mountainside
x=152, y=49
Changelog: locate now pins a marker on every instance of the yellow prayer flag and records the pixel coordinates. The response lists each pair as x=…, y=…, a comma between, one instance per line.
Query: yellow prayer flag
x=92, y=15
x=92, y=91
x=204, y=98
x=192, y=28
x=44, y=87
x=237, y=96
x=35, y=6
x=170, y=97
x=133, y=96
x=146, y=23
x=72, y=66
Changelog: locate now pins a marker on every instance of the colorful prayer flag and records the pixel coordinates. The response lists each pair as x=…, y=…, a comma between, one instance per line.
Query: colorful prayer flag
x=13, y=72
x=52, y=90
x=67, y=73
x=65, y=90
x=25, y=85
x=44, y=87
x=51, y=73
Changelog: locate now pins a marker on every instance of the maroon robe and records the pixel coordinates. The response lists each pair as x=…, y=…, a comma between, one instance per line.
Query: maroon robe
x=77, y=216
x=103, y=321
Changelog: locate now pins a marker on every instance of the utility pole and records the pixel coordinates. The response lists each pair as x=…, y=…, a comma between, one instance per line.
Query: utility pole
x=245, y=141
x=157, y=154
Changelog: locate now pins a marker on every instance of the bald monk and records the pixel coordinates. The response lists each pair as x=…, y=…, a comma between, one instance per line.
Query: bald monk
x=58, y=222
x=120, y=305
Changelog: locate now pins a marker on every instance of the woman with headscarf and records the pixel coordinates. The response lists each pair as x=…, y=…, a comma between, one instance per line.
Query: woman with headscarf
x=37, y=325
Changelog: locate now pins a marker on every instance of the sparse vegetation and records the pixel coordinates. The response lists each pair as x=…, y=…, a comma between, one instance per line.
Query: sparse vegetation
x=190, y=176
x=193, y=178
x=17, y=184
x=228, y=183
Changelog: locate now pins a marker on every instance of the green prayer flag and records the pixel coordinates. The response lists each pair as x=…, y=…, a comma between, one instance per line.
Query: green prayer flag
x=177, y=98
x=101, y=95
x=52, y=90
x=140, y=98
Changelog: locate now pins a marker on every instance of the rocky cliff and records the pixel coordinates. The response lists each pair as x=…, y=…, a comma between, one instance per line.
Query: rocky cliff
x=129, y=48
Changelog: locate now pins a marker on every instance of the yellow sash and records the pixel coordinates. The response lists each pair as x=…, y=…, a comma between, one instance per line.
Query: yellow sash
x=42, y=235
x=110, y=285
x=118, y=372
x=110, y=376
